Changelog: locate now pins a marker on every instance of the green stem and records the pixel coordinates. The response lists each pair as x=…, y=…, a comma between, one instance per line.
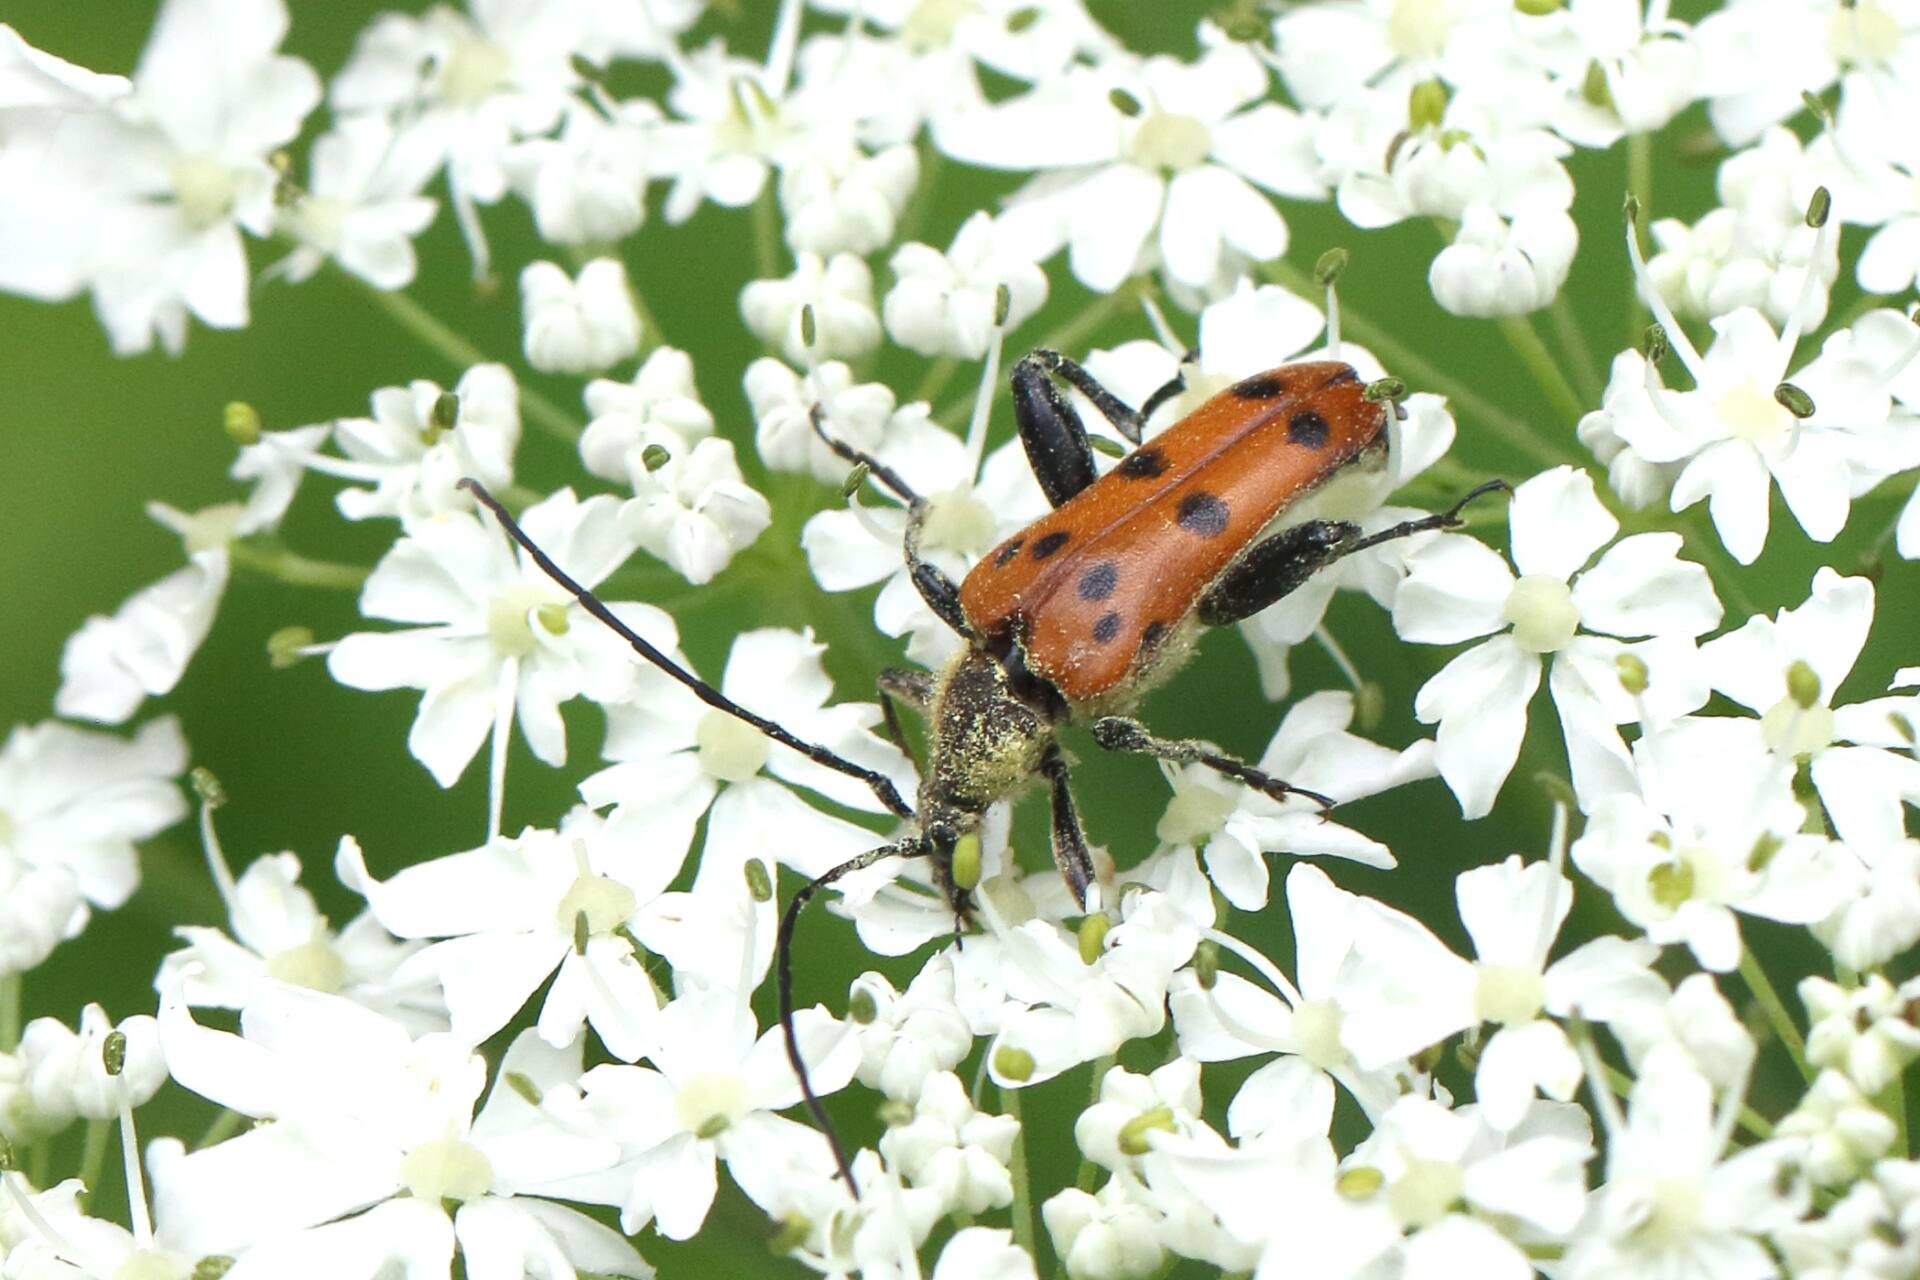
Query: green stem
x=1023, y=1233
x=93, y=1153
x=1533, y=353
x=1640, y=186
x=9, y=1012
x=224, y=1126
x=1416, y=369
x=462, y=354
x=297, y=570
x=766, y=233
x=1776, y=1010
x=1566, y=329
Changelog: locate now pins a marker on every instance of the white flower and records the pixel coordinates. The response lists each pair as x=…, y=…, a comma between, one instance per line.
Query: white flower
x=1103, y=1237
x=983, y=1253
x=836, y=292
x=783, y=403
x=695, y=511
x=37, y=908
x=905, y=1037
x=587, y=184
x=1761, y=60
x=1504, y=268
x=1457, y=589
x=67, y=1075
x=498, y=641
x=1843, y=1132
x=416, y=457
x=1865, y=1031
x=1647, y=63
x=660, y=405
x=1699, y=1022
x=845, y=201
x=362, y=204
x=953, y=1148
x=578, y=326
x=944, y=304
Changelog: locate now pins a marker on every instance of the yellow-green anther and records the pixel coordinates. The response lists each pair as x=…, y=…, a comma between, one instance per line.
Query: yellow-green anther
x=808, y=329
x=1002, y=304
x=207, y=786
x=285, y=647
x=1427, y=105
x=1536, y=8
x=965, y=871
x=1123, y=102
x=895, y=1113
x=789, y=1234
x=1660, y=840
x=1467, y=1055
x=1359, y=1182
x=552, y=618
x=113, y=1052
x=1632, y=669
x=1630, y=207
x=1794, y=400
x=759, y=883
x=1902, y=725
x=1384, y=390
x=713, y=1127
x=1671, y=883
x=1331, y=266
x=213, y=1266
x=446, y=412
x=1803, y=684
x=1133, y=1134
x=1654, y=346
x=1013, y=1064
x=1206, y=964
x=1093, y=936
x=242, y=423
x=1819, y=207
x=863, y=1009
x=855, y=478
x=581, y=932
x=523, y=1084
x=1595, y=90
x=1764, y=847
x=1020, y=19
x=655, y=456
x=1104, y=444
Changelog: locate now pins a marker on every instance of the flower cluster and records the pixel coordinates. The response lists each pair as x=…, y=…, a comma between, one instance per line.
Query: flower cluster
x=532, y=1056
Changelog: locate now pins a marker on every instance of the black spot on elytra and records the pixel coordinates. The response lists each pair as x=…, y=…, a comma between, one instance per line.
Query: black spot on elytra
x=1151, y=637
x=1340, y=379
x=1261, y=386
x=1052, y=542
x=1106, y=628
x=1143, y=464
x=1202, y=513
x=1307, y=428
x=1098, y=582
x=1004, y=556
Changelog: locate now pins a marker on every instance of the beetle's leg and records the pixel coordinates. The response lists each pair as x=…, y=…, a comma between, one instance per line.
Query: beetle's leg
x=941, y=592
x=882, y=786
x=903, y=684
x=1120, y=733
x=1170, y=388
x=1069, y=840
x=1127, y=421
x=1279, y=565
x=910, y=847
x=1051, y=431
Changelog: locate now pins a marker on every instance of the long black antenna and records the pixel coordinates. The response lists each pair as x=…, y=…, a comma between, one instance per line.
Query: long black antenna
x=881, y=785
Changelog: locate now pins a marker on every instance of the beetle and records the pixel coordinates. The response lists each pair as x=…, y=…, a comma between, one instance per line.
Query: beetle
x=1073, y=618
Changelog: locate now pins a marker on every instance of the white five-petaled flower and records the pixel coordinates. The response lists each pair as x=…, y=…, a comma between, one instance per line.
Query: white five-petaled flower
x=1458, y=589
x=945, y=304
x=583, y=325
x=421, y=442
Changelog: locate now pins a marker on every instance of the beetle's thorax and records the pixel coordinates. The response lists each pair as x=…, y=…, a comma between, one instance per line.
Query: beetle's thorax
x=984, y=742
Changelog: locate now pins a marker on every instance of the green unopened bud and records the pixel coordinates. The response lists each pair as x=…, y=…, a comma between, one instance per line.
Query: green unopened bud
x=1123, y=102
x=1764, y=847
x=1670, y=884
x=1206, y=964
x=863, y=1009
x=1133, y=1134
x=1002, y=304
x=287, y=647
x=1022, y=19
x=1655, y=346
x=855, y=478
x=759, y=882
x=1331, y=266
x=1794, y=400
x=522, y=1083
x=1660, y=840
x=808, y=330
x=1427, y=105
x=1384, y=390
x=1107, y=445
x=212, y=1267
x=113, y=1052
x=1803, y=684
x=242, y=423
x=789, y=1233
x=966, y=861
x=1595, y=91
x=1819, y=207
x=1536, y=8
x=655, y=456
x=1632, y=670
x=1013, y=1064
x=1903, y=726
x=895, y=1113
x=1360, y=1182
x=207, y=786
x=445, y=415
x=1093, y=936
x=582, y=930
x=552, y=618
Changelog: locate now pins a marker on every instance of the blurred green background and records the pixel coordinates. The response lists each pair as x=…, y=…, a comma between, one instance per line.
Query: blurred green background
x=91, y=438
